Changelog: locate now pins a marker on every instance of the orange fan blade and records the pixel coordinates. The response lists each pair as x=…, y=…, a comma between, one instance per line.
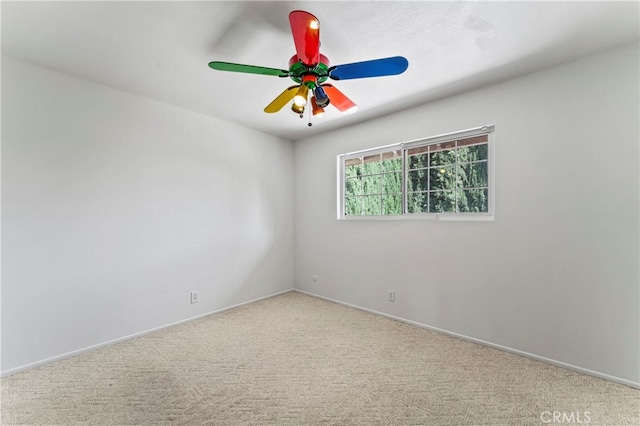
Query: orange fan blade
x=282, y=99
x=339, y=100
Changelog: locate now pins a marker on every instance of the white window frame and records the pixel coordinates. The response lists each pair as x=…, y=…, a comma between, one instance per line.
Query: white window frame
x=404, y=146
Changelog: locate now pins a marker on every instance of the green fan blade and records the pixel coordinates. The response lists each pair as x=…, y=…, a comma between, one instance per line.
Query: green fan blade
x=282, y=99
x=250, y=69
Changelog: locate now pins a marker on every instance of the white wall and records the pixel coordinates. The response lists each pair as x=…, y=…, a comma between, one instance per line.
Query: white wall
x=556, y=274
x=115, y=207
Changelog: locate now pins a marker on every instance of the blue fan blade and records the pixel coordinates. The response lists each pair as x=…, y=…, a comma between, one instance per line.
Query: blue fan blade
x=375, y=68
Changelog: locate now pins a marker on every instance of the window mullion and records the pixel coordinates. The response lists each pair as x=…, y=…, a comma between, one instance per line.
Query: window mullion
x=428, y=189
x=405, y=180
x=455, y=179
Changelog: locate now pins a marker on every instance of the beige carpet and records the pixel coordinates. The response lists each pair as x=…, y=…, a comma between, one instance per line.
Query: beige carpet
x=298, y=360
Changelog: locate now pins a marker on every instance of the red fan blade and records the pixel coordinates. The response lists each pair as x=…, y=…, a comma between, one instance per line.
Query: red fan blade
x=339, y=100
x=306, y=36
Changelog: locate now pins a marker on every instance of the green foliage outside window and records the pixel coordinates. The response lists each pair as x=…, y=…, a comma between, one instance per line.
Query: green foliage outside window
x=448, y=178
x=373, y=185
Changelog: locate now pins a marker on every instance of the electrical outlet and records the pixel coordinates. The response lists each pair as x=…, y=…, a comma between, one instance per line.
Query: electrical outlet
x=392, y=296
x=194, y=297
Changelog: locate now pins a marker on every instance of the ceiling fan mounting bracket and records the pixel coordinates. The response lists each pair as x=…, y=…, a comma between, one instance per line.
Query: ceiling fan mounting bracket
x=298, y=70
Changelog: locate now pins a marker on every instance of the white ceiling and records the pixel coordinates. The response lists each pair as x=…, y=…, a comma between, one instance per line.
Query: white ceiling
x=160, y=49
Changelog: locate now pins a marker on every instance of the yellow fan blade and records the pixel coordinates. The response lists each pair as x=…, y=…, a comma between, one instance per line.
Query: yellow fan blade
x=284, y=98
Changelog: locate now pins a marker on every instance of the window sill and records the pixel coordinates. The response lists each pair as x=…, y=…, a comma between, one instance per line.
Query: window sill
x=427, y=217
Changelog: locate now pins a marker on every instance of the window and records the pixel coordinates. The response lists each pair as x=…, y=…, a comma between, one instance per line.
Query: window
x=373, y=184
x=446, y=176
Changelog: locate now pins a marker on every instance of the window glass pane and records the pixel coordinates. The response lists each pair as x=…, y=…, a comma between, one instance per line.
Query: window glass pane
x=442, y=178
x=370, y=184
x=371, y=205
x=442, y=202
x=473, y=153
x=418, y=161
x=353, y=167
x=417, y=150
x=474, y=140
x=418, y=157
x=392, y=204
x=442, y=154
x=372, y=164
x=473, y=175
x=473, y=200
x=392, y=183
x=392, y=161
x=417, y=202
x=352, y=186
x=418, y=180
x=353, y=206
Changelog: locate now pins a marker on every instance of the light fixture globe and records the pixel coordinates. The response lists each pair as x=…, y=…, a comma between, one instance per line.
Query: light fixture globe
x=322, y=99
x=317, y=110
x=300, y=99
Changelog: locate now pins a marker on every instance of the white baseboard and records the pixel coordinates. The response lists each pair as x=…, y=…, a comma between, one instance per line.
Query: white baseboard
x=35, y=364
x=483, y=342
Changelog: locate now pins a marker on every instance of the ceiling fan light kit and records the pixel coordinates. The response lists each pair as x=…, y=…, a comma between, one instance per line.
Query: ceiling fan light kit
x=310, y=70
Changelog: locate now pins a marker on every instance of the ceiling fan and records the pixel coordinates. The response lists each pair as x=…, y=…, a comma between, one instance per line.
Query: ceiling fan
x=310, y=70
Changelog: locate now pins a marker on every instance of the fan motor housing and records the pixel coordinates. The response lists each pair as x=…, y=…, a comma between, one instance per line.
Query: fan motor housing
x=297, y=70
